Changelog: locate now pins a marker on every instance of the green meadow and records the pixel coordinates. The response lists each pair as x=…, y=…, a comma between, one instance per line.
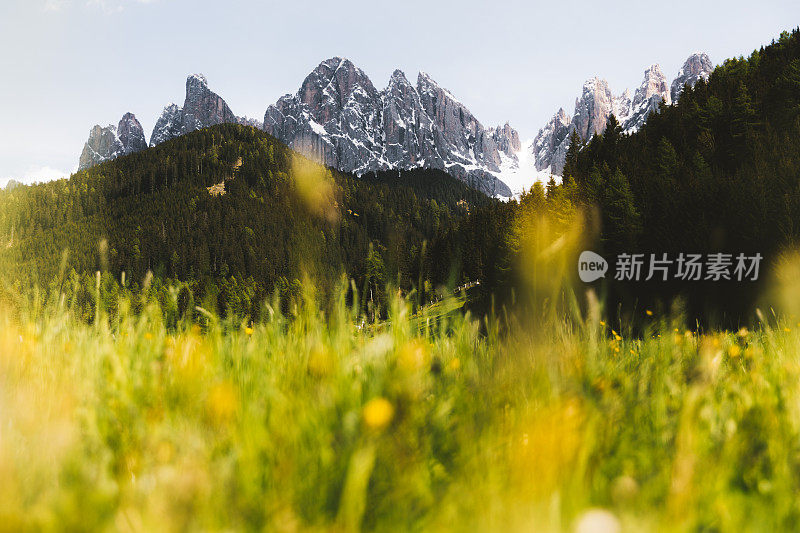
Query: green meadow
x=426, y=421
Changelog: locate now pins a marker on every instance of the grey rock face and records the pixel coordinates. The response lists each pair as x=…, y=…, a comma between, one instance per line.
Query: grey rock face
x=593, y=108
x=110, y=142
x=407, y=128
x=131, y=134
x=623, y=105
x=103, y=145
x=202, y=108
x=697, y=66
x=457, y=132
x=507, y=139
x=339, y=118
x=168, y=126
x=334, y=117
x=251, y=122
x=648, y=97
x=551, y=143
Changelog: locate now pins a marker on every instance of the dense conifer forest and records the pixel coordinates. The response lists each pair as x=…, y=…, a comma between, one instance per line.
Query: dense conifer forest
x=232, y=210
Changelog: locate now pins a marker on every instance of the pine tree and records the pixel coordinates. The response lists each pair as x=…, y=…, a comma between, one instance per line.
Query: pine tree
x=666, y=159
x=571, y=160
x=621, y=220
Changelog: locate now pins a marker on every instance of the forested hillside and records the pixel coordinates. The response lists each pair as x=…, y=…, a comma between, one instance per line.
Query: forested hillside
x=232, y=205
x=718, y=172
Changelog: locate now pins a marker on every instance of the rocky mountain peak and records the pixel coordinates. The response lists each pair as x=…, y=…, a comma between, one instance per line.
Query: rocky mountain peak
x=654, y=84
x=202, y=108
x=696, y=67
x=424, y=79
x=110, y=142
x=398, y=79
x=131, y=134
x=333, y=83
x=251, y=122
x=507, y=139
x=168, y=126
x=596, y=103
x=102, y=145
x=427, y=86
x=593, y=107
x=551, y=143
x=653, y=91
x=196, y=82
x=623, y=105
x=339, y=118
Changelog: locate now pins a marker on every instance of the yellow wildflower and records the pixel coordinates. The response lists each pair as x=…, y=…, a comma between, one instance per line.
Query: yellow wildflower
x=320, y=362
x=377, y=413
x=221, y=403
x=413, y=355
x=750, y=352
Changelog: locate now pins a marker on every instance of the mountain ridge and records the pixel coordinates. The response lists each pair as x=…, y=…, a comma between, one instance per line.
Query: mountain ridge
x=338, y=117
x=597, y=102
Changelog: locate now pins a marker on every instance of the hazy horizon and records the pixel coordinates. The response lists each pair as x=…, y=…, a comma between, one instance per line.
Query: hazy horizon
x=76, y=63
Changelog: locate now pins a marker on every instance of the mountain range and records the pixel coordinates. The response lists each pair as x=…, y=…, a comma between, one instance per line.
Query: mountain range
x=597, y=102
x=339, y=117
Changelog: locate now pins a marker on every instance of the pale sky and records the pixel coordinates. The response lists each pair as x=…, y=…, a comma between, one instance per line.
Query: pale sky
x=69, y=64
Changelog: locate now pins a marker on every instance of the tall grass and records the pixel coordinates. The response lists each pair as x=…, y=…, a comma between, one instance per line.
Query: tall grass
x=431, y=422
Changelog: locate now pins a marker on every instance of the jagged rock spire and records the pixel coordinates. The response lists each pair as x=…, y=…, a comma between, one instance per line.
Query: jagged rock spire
x=340, y=118
x=110, y=142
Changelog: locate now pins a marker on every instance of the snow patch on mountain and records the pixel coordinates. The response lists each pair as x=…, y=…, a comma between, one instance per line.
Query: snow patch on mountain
x=519, y=170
